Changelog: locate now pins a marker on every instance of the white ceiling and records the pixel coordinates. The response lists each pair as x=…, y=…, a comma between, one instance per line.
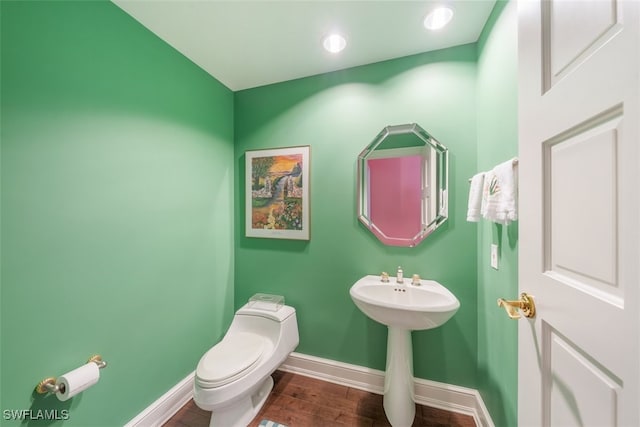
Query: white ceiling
x=246, y=44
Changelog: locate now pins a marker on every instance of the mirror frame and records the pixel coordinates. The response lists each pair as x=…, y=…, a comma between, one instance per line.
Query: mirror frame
x=434, y=188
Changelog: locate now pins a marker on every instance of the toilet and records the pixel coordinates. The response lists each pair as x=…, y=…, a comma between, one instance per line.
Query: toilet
x=233, y=379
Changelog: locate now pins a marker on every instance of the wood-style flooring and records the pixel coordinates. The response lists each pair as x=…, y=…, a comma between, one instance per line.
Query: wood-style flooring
x=299, y=401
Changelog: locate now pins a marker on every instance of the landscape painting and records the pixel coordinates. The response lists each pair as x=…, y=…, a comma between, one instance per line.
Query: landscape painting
x=277, y=193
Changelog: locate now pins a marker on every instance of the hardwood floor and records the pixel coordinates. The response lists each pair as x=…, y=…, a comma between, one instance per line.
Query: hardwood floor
x=299, y=401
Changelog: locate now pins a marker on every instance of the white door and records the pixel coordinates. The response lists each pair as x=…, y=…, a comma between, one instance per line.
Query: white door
x=579, y=192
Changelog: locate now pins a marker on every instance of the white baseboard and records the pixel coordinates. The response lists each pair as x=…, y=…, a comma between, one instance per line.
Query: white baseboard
x=166, y=406
x=429, y=393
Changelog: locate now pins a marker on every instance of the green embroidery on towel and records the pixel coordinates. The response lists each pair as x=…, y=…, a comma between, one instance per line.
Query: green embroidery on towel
x=494, y=187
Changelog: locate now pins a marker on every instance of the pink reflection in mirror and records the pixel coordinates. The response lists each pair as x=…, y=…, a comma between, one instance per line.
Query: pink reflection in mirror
x=396, y=197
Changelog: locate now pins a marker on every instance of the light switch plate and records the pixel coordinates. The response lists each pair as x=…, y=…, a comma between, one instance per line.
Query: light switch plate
x=494, y=256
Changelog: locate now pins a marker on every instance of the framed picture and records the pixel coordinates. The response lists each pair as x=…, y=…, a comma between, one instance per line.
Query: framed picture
x=277, y=193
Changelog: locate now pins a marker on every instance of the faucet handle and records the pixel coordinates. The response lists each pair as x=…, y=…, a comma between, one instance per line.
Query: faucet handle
x=384, y=277
x=415, y=280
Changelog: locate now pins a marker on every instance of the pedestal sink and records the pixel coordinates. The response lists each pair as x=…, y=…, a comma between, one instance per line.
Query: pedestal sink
x=402, y=308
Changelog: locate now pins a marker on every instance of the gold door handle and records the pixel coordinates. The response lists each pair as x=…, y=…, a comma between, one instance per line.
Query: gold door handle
x=525, y=303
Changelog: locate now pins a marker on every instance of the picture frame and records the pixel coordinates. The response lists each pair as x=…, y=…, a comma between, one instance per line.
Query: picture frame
x=277, y=193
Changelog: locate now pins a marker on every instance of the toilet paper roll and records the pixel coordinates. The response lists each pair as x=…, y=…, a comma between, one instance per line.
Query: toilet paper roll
x=78, y=380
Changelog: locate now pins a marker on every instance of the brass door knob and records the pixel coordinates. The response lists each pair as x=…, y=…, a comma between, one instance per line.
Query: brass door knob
x=525, y=304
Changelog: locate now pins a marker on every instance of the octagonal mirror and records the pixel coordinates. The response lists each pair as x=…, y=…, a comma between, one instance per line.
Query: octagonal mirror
x=402, y=185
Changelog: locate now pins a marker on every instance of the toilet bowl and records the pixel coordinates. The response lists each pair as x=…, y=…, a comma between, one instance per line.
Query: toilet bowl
x=233, y=379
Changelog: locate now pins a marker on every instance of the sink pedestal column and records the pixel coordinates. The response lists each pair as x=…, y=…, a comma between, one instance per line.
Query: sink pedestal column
x=399, y=392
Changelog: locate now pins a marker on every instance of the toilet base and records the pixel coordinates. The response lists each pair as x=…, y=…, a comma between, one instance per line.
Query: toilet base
x=242, y=412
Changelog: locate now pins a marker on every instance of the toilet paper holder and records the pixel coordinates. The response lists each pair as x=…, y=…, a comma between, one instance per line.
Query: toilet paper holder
x=48, y=385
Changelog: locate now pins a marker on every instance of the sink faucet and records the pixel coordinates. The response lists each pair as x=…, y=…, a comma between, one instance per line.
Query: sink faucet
x=399, y=275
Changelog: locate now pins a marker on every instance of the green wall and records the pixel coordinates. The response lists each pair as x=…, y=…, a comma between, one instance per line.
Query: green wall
x=497, y=142
x=117, y=188
x=338, y=114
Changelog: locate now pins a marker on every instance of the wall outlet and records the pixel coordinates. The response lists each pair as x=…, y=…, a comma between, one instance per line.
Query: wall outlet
x=494, y=256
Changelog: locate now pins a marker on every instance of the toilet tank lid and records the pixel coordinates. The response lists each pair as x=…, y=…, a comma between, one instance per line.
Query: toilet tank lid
x=279, y=316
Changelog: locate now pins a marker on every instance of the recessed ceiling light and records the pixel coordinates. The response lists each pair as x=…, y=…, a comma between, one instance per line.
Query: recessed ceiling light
x=334, y=43
x=438, y=18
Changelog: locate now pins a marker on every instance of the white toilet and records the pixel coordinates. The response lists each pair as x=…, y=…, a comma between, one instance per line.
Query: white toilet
x=233, y=379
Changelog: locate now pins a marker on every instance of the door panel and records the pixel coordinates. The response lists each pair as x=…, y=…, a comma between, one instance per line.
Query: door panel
x=582, y=205
x=580, y=391
x=567, y=45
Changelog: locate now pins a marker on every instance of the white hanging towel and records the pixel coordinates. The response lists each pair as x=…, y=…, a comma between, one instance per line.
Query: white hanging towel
x=475, y=197
x=500, y=193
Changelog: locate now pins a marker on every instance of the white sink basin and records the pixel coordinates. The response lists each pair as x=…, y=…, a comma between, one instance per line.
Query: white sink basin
x=404, y=306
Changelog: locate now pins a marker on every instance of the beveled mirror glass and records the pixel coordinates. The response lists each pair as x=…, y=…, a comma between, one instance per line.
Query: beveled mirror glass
x=402, y=185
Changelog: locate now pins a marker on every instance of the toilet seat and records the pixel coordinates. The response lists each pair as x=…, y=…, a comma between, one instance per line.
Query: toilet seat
x=229, y=359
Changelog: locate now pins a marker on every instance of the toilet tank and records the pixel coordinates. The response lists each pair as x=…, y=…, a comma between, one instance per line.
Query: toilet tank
x=280, y=315
x=280, y=327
